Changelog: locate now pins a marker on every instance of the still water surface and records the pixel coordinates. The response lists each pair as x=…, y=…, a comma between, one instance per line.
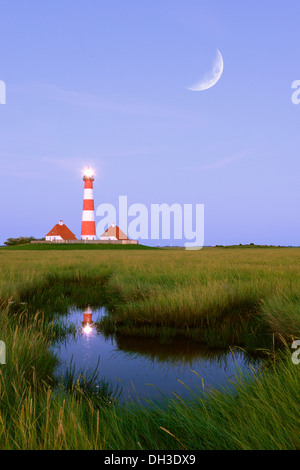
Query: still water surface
x=145, y=367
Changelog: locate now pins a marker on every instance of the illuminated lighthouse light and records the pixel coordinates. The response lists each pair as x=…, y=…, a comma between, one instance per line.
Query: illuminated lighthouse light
x=88, y=172
x=88, y=228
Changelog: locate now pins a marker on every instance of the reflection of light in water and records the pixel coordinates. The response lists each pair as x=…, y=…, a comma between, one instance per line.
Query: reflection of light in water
x=87, y=324
x=87, y=329
x=143, y=361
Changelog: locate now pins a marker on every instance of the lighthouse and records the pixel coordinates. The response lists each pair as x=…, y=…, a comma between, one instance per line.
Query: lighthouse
x=87, y=315
x=87, y=324
x=88, y=229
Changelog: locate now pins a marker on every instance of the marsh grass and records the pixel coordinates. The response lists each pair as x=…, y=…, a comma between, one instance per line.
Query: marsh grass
x=88, y=384
x=239, y=297
x=262, y=413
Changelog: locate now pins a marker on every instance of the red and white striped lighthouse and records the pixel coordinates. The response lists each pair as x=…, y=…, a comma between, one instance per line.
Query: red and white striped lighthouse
x=87, y=324
x=87, y=316
x=88, y=229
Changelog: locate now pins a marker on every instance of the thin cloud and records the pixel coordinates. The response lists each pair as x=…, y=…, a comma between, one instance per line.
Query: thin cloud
x=227, y=160
x=99, y=103
x=22, y=174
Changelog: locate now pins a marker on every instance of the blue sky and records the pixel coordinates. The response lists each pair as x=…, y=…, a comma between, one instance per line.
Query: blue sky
x=105, y=83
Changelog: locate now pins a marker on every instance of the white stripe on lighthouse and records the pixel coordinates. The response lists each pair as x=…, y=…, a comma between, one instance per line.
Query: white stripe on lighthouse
x=88, y=194
x=88, y=216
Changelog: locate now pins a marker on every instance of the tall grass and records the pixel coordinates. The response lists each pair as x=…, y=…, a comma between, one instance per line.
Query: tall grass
x=259, y=414
x=215, y=296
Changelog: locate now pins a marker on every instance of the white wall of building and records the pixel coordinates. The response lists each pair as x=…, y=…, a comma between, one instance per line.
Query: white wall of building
x=53, y=238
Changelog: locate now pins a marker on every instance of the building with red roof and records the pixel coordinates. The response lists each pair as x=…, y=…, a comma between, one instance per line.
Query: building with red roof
x=60, y=232
x=114, y=233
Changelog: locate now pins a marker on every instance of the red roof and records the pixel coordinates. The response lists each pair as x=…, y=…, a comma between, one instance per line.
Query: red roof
x=115, y=231
x=63, y=231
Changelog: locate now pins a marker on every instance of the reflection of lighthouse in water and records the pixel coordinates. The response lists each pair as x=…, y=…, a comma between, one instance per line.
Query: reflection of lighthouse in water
x=87, y=324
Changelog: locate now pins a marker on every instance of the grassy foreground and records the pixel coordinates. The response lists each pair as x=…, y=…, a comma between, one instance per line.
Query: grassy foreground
x=220, y=297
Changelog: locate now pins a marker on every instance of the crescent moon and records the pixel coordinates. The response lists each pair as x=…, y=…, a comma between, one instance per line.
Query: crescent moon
x=212, y=78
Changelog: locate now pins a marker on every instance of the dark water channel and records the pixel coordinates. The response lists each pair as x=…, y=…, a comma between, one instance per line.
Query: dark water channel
x=145, y=367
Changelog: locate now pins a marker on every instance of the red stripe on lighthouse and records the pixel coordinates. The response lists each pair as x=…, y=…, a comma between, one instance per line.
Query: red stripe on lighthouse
x=88, y=229
x=88, y=184
x=88, y=204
